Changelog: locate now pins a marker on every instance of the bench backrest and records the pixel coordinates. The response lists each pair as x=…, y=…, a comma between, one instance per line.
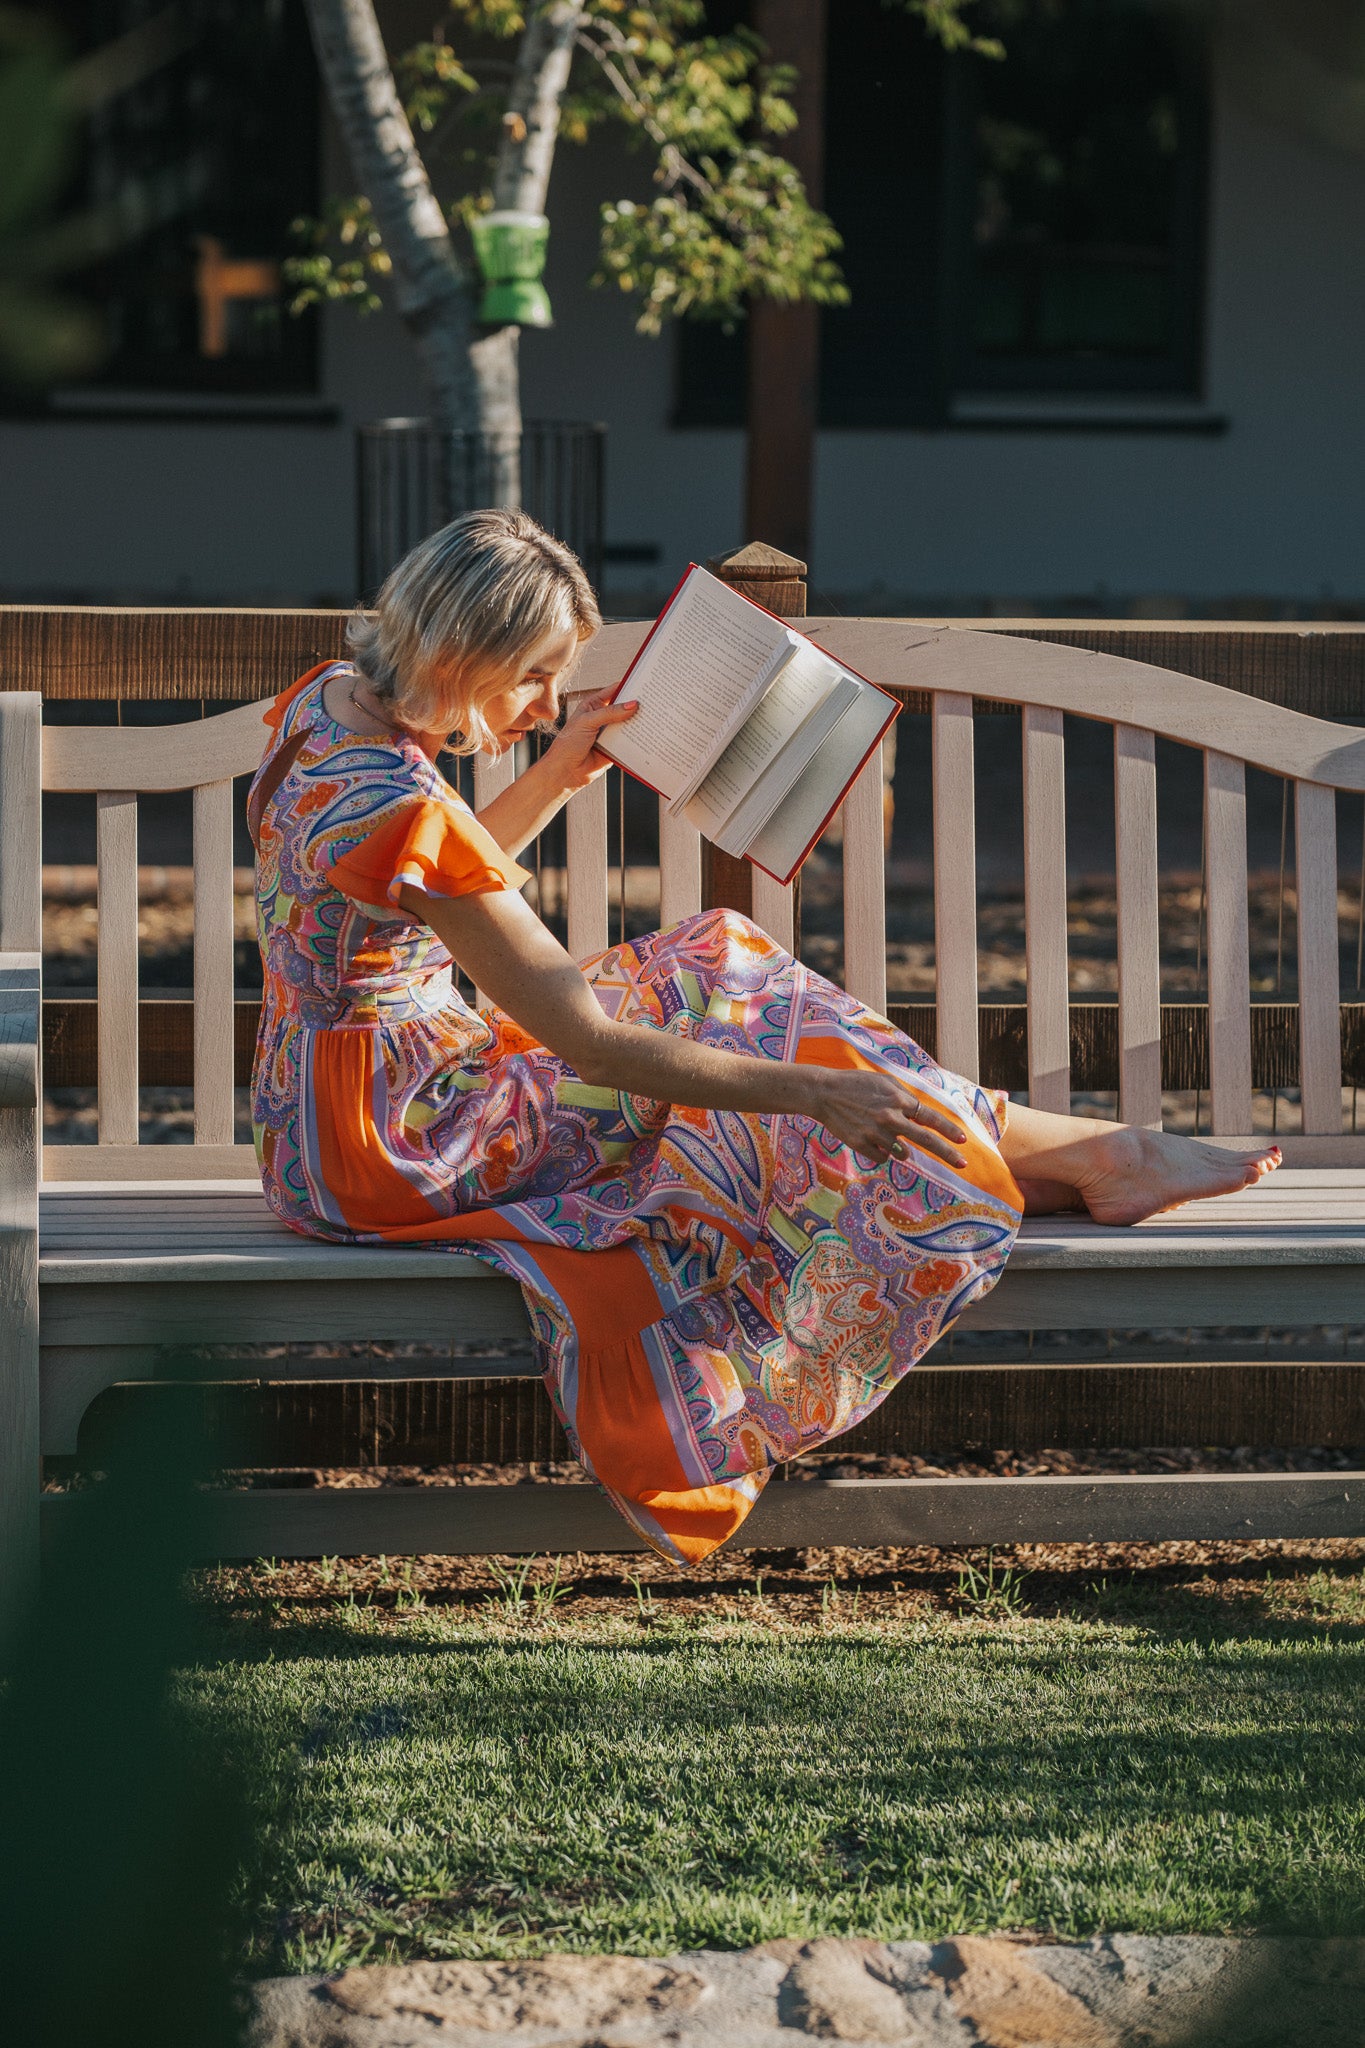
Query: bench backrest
x=946, y=667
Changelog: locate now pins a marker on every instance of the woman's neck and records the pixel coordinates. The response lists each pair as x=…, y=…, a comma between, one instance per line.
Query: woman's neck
x=350, y=703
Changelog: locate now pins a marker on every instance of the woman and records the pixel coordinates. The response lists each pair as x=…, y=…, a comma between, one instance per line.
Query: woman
x=740, y=1205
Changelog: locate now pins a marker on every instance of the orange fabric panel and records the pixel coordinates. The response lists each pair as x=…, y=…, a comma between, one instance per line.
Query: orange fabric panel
x=699, y=1521
x=621, y=1422
x=609, y=1293
x=352, y=1157
x=834, y=1051
x=430, y=846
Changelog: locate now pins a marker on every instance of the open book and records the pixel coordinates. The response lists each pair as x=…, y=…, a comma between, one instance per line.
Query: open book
x=746, y=727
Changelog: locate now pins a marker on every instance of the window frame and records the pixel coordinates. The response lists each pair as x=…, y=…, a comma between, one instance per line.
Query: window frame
x=1179, y=371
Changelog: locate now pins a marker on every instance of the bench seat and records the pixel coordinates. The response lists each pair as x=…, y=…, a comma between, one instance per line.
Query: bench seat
x=127, y=1272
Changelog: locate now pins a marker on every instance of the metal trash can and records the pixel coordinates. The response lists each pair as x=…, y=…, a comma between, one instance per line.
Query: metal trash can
x=411, y=479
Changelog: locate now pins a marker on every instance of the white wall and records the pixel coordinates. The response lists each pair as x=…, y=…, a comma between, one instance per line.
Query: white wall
x=187, y=513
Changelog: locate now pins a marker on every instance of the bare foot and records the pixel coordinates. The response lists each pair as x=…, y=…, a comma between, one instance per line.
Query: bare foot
x=1046, y=1197
x=1137, y=1173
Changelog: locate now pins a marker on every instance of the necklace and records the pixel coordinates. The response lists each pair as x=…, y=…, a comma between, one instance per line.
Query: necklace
x=365, y=711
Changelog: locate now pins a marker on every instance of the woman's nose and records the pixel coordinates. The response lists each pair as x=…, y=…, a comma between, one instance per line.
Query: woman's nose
x=546, y=705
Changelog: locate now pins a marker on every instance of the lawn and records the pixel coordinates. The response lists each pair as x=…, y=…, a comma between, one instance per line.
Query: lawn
x=455, y=1763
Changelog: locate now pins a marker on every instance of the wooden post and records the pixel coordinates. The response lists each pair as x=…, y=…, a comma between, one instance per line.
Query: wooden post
x=777, y=581
x=784, y=341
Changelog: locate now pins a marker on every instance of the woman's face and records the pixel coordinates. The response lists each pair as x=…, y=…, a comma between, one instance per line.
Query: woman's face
x=533, y=699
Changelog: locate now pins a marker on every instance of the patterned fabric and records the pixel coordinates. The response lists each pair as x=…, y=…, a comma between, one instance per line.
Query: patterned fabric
x=710, y=1292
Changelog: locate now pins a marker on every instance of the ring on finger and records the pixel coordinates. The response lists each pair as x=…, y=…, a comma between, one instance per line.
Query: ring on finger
x=900, y=1149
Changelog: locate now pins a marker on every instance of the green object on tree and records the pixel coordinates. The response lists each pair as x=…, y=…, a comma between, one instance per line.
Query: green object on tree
x=510, y=250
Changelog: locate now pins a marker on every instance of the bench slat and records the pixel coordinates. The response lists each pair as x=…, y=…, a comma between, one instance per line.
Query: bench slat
x=1315, y=868
x=1049, y=1027
x=586, y=832
x=133, y=1163
x=146, y=758
x=21, y=824
x=1139, y=939
x=116, y=965
x=214, y=1116
x=491, y=778
x=955, y=884
x=679, y=867
x=774, y=909
x=458, y=1520
x=865, y=887
x=1225, y=826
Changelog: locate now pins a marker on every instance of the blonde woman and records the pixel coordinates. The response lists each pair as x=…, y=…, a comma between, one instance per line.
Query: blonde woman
x=740, y=1205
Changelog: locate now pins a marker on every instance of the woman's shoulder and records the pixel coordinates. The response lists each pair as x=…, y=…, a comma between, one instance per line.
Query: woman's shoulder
x=298, y=706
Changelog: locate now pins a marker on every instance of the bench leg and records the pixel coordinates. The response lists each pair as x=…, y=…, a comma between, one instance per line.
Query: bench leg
x=20, y=1470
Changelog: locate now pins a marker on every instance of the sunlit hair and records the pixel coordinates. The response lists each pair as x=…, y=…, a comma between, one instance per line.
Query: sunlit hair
x=463, y=615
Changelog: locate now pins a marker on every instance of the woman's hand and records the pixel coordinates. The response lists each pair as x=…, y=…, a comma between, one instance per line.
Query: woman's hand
x=573, y=754
x=881, y=1119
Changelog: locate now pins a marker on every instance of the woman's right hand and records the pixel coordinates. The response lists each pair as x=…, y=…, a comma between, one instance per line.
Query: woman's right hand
x=881, y=1119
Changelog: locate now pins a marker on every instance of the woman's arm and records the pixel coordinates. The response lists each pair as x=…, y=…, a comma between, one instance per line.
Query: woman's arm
x=499, y=940
x=569, y=763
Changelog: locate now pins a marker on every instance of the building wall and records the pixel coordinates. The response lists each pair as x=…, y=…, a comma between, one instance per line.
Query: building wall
x=971, y=517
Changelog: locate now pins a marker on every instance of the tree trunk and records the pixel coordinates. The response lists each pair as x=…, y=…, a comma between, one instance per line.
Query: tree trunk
x=471, y=373
x=434, y=291
x=530, y=127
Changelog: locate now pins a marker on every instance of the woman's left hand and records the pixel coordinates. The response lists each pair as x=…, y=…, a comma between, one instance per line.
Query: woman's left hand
x=574, y=753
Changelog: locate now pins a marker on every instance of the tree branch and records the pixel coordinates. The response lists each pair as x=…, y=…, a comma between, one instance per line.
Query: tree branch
x=623, y=76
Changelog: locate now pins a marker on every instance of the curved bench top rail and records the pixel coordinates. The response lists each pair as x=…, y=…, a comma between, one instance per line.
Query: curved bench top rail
x=904, y=655
x=143, y=758
x=896, y=652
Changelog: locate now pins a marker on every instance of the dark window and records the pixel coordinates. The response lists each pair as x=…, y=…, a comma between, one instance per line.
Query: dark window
x=1075, y=176
x=1029, y=225
x=208, y=158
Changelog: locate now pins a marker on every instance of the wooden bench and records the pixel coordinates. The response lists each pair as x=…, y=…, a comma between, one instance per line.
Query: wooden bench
x=115, y=1256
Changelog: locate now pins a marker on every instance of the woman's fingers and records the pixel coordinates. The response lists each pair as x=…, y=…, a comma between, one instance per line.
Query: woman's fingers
x=602, y=711
x=938, y=1148
x=933, y=1119
x=928, y=1131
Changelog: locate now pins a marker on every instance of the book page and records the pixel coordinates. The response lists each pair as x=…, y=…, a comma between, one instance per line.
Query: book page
x=802, y=686
x=781, y=843
x=710, y=656
x=748, y=818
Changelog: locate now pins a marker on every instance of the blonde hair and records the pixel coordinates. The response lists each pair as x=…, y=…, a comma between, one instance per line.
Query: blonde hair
x=462, y=614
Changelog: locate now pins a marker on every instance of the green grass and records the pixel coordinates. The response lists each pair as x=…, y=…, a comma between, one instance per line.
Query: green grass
x=507, y=1779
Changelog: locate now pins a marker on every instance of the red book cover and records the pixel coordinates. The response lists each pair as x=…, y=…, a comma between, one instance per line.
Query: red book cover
x=892, y=712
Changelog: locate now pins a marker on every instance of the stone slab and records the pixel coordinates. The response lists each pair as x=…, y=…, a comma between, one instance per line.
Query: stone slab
x=1115, y=1991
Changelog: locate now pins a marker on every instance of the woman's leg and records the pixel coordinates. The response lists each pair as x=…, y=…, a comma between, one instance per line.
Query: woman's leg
x=1119, y=1172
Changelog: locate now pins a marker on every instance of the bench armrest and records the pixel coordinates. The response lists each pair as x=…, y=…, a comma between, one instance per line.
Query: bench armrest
x=21, y=990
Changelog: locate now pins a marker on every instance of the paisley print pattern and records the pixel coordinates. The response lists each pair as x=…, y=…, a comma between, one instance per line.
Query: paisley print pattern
x=710, y=1293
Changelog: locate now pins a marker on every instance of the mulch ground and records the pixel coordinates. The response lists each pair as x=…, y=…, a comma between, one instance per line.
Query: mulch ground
x=797, y=1587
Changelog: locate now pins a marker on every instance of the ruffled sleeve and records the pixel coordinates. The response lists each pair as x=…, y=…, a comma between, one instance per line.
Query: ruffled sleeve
x=428, y=846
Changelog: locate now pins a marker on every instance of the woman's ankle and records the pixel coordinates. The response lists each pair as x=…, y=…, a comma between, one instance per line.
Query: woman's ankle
x=1047, y=1197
